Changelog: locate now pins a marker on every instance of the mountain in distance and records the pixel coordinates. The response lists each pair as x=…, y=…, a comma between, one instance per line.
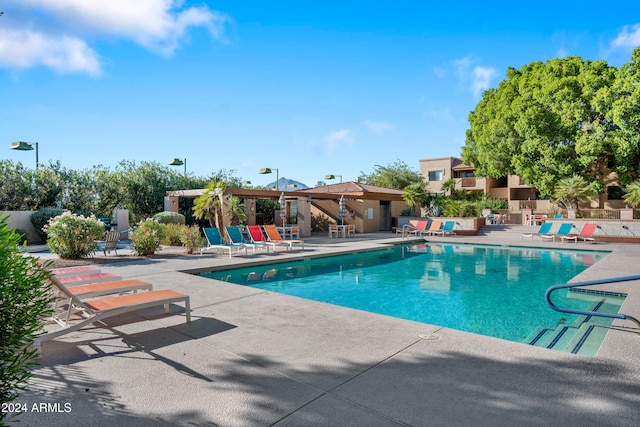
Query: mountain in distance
x=285, y=184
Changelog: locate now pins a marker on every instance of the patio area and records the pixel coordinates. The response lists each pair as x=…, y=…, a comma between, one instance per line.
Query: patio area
x=256, y=358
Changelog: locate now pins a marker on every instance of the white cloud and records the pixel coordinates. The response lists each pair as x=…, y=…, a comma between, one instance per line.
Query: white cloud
x=24, y=49
x=157, y=25
x=378, y=127
x=629, y=37
x=482, y=79
x=336, y=138
x=477, y=76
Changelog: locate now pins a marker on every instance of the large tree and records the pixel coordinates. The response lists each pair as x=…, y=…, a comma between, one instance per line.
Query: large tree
x=551, y=120
x=396, y=175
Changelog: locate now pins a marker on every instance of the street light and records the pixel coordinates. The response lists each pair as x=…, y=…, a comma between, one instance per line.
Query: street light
x=265, y=171
x=179, y=162
x=330, y=176
x=25, y=146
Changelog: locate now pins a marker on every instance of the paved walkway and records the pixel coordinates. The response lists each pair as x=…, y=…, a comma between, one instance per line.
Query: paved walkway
x=256, y=358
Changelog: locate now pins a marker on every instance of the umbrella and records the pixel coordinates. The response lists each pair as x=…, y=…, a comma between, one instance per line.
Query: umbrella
x=283, y=207
x=342, y=210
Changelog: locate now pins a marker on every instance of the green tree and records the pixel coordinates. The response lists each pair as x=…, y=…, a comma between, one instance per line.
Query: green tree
x=26, y=300
x=236, y=211
x=210, y=206
x=544, y=122
x=571, y=191
x=15, y=186
x=396, y=175
x=449, y=186
x=633, y=194
x=415, y=195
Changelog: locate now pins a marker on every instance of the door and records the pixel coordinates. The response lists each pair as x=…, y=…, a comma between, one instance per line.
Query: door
x=385, y=216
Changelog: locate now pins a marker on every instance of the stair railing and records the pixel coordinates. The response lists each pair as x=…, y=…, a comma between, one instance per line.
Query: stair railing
x=547, y=297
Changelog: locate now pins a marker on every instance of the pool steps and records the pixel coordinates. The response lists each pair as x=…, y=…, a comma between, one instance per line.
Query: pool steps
x=583, y=337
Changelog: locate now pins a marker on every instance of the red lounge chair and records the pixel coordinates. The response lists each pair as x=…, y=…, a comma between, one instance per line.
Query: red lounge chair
x=585, y=234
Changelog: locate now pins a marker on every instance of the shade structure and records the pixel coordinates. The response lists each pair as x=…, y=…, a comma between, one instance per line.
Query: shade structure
x=342, y=209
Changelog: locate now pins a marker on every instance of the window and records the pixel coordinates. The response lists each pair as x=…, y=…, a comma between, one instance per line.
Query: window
x=435, y=175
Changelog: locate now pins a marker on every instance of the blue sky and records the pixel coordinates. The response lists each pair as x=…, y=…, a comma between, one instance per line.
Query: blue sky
x=310, y=88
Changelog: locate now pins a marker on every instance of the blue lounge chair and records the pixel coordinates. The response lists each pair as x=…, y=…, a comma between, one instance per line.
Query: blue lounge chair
x=564, y=230
x=215, y=242
x=545, y=228
x=447, y=230
x=236, y=236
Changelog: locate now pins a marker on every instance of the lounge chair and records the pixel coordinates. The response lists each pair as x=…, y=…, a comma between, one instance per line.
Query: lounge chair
x=255, y=232
x=236, y=236
x=274, y=236
x=73, y=271
x=435, y=226
x=100, y=289
x=564, y=230
x=545, y=228
x=406, y=228
x=585, y=234
x=111, y=239
x=83, y=279
x=215, y=243
x=99, y=309
x=447, y=230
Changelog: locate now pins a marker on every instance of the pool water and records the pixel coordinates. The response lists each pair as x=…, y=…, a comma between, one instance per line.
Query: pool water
x=488, y=290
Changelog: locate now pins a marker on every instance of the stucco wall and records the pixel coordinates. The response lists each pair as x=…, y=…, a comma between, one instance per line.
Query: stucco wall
x=22, y=221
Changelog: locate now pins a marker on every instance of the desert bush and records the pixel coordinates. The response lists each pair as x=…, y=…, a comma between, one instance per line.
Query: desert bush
x=73, y=236
x=26, y=301
x=41, y=218
x=191, y=238
x=147, y=236
x=169, y=218
x=173, y=234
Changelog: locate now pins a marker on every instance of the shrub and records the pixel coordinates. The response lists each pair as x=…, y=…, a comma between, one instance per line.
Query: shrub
x=41, y=218
x=191, y=238
x=73, y=236
x=26, y=300
x=169, y=218
x=147, y=237
x=24, y=236
x=407, y=212
x=173, y=234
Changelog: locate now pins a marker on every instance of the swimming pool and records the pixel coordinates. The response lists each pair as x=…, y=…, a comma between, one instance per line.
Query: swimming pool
x=489, y=290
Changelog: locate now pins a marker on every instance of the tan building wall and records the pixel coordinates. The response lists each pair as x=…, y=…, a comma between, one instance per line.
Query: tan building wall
x=440, y=170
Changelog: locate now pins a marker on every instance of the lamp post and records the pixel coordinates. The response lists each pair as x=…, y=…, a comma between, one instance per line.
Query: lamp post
x=25, y=146
x=179, y=162
x=265, y=171
x=331, y=176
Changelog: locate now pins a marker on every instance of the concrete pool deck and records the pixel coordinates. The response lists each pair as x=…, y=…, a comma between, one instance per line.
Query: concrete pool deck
x=256, y=358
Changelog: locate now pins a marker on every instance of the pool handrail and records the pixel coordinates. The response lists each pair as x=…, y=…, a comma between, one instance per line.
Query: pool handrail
x=547, y=297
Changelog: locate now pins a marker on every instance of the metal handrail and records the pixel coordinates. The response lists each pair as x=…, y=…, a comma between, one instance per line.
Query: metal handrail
x=547, y=297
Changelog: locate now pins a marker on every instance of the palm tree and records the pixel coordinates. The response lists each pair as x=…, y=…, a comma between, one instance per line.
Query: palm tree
x=210, y=206
x=633, y=194
x=570, y=191
x=415, y=195
x=450, y=186
x=236, y=211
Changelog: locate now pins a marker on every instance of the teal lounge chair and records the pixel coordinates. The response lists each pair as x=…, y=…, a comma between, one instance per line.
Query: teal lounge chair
x=236, y=236
x=564, y=230
x=447, y=230
x=545, y=228
x=215, y=243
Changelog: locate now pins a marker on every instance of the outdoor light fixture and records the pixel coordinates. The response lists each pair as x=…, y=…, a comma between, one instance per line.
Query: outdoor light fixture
x=25, y=146
x=179, y=162
x=265, y=171
x=330, y=176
